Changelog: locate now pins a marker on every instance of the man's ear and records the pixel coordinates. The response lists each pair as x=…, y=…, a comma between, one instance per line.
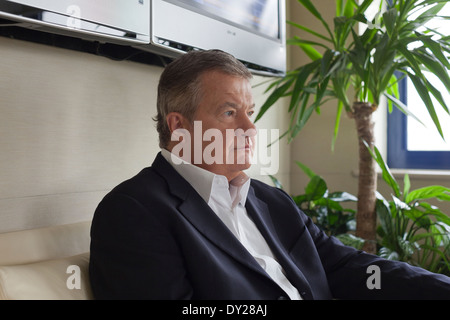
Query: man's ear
x=175, y=121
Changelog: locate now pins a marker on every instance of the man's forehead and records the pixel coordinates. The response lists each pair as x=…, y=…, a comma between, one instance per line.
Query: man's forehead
x=225, y=88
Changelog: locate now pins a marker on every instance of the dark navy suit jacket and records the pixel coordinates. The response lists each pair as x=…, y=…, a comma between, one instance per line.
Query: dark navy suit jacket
x=154, y=237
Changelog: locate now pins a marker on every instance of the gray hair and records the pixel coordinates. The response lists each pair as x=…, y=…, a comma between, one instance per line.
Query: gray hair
x=179, y=88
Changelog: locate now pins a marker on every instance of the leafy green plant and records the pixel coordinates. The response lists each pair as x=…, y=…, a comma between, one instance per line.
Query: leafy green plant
x=326, y=208
x=369, y=61
x=410, y=228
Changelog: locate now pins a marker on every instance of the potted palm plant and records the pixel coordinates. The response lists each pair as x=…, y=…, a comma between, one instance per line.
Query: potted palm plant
x=411, y=229
x=371, y=63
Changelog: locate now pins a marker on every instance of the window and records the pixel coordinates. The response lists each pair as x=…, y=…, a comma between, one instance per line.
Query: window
x=412, y=145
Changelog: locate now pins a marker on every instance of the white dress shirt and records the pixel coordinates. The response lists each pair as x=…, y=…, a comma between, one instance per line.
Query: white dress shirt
x=227, y=200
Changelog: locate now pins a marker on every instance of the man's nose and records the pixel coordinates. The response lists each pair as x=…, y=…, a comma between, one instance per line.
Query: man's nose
x=247, y=124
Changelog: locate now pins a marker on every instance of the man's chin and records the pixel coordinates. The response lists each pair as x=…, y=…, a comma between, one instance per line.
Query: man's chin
x=240, y=166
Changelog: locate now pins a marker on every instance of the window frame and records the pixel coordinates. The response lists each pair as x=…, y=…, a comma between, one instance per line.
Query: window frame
x=398, y=156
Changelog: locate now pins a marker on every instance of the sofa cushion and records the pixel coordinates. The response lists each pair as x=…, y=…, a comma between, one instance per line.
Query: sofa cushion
x=48, y=243
x=59, y=279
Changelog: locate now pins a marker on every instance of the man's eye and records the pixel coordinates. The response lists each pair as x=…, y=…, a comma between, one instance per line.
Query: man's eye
x=250, y=113
x=229, y=113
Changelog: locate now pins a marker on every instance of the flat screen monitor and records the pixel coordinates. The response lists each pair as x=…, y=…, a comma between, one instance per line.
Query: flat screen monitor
x=252, y=30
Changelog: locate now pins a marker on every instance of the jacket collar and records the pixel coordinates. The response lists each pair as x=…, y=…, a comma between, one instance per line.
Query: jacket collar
x=177, y=185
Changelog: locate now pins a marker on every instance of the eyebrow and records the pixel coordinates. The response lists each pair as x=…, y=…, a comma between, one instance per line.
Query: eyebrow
x=234, y=105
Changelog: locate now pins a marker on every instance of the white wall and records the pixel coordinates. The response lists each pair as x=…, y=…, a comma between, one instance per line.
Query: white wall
x=74, y=125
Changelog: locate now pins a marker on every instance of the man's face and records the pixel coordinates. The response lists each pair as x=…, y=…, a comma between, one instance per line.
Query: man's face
x=223, y=123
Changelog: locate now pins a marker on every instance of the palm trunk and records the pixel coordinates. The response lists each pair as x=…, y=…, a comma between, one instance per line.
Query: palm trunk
x=366, y=218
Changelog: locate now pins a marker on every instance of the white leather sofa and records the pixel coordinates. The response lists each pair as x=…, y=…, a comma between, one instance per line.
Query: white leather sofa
x=46, y=264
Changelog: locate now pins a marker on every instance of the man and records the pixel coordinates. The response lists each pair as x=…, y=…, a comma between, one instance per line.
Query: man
x=194, y=226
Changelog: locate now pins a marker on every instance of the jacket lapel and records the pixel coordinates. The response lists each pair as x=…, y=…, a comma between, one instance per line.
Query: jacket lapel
x=210, y=226
x=259, y=212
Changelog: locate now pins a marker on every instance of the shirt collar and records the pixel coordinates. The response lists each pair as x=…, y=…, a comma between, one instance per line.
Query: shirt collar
x=207, y=183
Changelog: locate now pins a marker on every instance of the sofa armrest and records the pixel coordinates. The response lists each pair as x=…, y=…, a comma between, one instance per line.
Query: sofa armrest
x=59, y=279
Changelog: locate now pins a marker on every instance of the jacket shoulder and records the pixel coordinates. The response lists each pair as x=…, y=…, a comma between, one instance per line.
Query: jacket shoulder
x=143, y=185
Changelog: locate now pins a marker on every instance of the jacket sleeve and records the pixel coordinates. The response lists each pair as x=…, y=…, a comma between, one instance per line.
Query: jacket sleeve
x=132, y=255
x=354, y=274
